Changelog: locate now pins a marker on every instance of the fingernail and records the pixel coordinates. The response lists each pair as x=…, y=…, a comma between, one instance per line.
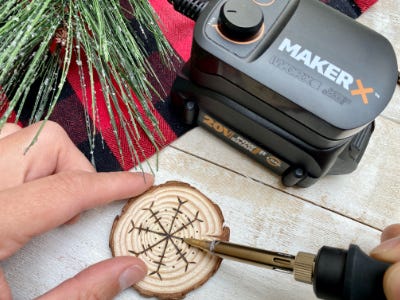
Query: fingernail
x=392, y=283
x=131, y=276
x=386, y=246
x=148, y=177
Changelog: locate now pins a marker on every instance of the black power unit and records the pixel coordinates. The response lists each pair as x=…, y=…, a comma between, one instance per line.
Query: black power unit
x=294, y=84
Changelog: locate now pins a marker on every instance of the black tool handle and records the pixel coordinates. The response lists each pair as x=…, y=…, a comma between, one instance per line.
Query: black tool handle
x=348, y=275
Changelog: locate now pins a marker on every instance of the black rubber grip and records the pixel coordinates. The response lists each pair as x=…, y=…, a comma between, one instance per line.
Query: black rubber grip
x=348, y=275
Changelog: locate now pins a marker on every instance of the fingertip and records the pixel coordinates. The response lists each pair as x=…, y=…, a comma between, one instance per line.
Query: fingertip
x=103, y=280
x=141, y=182
x=388, y=250
x=391, y=282
x=133, y=274
x=390, y=232
x=147, y=178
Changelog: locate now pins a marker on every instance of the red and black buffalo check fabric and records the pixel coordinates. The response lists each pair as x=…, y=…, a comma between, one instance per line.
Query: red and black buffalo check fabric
x=69, y=111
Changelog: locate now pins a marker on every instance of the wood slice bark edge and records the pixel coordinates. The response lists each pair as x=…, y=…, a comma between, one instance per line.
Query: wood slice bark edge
x=151, y=227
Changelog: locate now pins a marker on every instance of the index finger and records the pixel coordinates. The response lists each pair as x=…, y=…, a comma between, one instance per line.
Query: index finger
x=40, y=205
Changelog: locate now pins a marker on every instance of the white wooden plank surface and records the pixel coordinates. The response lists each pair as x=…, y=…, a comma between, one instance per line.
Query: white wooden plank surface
x=256, y=214
x=369, y=195
x=338, y=210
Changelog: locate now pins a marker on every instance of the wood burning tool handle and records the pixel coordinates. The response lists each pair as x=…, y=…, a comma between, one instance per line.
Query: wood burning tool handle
x=336, y=274
x=348, y=275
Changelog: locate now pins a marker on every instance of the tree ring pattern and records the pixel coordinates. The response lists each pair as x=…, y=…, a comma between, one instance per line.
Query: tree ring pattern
x=152, y=227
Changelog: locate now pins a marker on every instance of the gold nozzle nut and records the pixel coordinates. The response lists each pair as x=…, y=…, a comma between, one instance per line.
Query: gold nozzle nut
x=304, y=267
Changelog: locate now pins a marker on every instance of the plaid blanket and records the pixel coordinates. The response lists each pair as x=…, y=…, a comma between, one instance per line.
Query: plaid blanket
x=178, y=29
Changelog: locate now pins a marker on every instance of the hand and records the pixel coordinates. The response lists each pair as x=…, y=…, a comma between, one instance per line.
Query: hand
x=49, y=185
x=389, y=251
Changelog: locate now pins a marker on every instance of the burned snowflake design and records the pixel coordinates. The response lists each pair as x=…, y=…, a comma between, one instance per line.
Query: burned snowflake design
x=153, y=227
x=169, y=232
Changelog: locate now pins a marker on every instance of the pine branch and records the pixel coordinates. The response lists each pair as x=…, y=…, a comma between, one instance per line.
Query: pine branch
x=41, y=39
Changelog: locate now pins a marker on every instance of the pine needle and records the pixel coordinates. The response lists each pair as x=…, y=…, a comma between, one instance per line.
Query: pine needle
x=41, y=39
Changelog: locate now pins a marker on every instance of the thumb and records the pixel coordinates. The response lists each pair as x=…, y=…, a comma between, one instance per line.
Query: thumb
x=389, y=251
x=103, y=280
x=391, y=282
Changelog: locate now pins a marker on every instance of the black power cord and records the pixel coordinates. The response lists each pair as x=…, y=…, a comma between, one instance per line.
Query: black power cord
x=189, y=8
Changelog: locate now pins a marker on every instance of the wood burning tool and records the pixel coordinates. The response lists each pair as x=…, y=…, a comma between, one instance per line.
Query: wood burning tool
x=334, y=273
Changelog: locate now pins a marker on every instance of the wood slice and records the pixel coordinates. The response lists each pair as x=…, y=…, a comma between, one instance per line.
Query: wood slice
x=152, y=227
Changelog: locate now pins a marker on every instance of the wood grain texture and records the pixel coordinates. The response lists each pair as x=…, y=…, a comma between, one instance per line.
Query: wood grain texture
x=152, y=226
x=257, y=215
x=260, y=212
x=369, y=195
